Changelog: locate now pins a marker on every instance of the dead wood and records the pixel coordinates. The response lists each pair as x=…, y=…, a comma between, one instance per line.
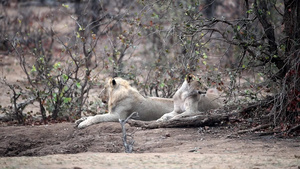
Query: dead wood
x=191, y=121
x=128, y=146
x=295, y=128
x=253, y=107
x=254, y=128
x=268, y=133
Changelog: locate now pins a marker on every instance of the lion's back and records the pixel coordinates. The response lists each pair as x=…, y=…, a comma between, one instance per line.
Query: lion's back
x=152, y=108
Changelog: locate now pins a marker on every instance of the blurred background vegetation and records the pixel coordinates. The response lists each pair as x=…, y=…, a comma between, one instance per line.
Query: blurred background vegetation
x=248, y=49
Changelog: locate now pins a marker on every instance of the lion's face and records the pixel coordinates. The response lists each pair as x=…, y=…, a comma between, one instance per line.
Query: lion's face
x=195, y=85
x=113, y=85
x=104, y=95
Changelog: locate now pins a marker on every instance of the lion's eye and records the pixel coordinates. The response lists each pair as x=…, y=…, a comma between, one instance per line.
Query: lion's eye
x=200, y=92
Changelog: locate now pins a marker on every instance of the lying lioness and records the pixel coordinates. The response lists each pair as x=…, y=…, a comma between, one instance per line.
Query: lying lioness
x=192, y=98
x=124, y=100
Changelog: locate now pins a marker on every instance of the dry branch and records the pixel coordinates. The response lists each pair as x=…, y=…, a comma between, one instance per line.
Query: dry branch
x=128, y=146
x=295, y=128
x=191, y=121
x=254, y=128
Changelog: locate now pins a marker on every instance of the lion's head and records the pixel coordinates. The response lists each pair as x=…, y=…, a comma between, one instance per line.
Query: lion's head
x=195, y=85
x=115, y=89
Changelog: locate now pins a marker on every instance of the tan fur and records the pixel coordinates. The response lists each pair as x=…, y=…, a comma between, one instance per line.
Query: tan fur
x=190, y=100
x=124, y=100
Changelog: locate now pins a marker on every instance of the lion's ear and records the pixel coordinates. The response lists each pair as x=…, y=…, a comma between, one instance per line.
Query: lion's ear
x=189, y=78
x=113, y=82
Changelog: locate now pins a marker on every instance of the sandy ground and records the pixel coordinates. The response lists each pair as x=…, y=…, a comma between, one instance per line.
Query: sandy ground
x=151, y=160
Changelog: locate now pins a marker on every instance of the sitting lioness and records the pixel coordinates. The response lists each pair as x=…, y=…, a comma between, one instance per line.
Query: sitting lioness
x=124, y=100
x=190, y=99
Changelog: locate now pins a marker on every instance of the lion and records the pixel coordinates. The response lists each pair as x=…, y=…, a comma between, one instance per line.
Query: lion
x=123, y=100
x=191, y=99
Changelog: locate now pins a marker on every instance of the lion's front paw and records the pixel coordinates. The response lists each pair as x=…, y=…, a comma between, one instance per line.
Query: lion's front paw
x=82, y=125
x=164, y=118
x=179, y=116
x=77, y=122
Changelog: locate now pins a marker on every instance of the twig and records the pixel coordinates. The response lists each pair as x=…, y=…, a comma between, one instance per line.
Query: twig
x=250, y=108
x=255, y=128
x=295, y=128
x=128, y=146
x=268, y=133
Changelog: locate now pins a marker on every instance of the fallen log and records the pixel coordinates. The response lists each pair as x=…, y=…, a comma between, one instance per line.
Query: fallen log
x=191, y=121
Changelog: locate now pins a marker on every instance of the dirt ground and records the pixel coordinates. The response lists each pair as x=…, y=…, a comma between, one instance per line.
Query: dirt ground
x=100, y=146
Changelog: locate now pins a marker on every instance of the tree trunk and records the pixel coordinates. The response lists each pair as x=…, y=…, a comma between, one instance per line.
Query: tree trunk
x=291, y=21
x=261, y=10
